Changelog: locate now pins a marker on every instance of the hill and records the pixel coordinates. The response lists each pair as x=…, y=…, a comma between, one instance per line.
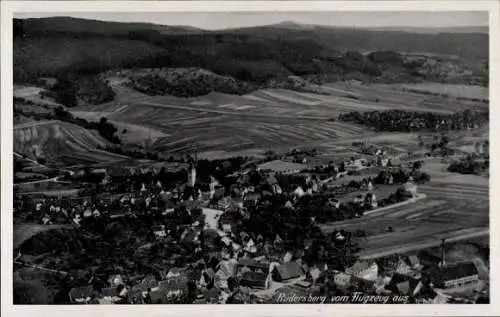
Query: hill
x=50, y=139
x=257, y=57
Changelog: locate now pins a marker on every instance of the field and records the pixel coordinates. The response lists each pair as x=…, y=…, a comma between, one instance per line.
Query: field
x=455, y=208
x=222, y=125
x=54, y=139
x=458, y=91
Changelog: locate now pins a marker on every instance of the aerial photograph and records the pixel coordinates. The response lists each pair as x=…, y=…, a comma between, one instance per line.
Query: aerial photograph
x=251, y=158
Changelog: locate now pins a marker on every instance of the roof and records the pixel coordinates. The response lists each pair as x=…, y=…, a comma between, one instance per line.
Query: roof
x=402, y=284
x=362, y=284
x=109, y=291
x=271, y=180
x=458, y=271
x=424, y=256
x=253, y=279
x=281, y=166
x=413, y=259
x=172, y=284
x=289, y=270
x=81, y=292
x=147, y=282
x=253, y=263
x=360, y=266
x=157, y=297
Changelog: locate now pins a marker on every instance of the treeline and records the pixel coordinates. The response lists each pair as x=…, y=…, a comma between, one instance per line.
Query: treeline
x=470, y=165
x=404, y=121
x=72, y=89
x=153, y=84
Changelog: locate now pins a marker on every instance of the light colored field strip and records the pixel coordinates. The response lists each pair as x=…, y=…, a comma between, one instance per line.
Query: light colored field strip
x=419, y=245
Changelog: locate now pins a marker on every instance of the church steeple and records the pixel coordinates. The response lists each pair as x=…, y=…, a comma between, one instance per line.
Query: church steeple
x=192, y=170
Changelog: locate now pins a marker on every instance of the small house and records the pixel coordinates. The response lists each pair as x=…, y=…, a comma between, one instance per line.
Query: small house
x=287, y=271
x=364, y=270
x=82, y=295
x=159, y=231
x=251, y=199
x=414, y=262
x=174, y=286
x=255, y=280
x=342, y=280
x=458, y=275
x=404, y=285
x=158, y=297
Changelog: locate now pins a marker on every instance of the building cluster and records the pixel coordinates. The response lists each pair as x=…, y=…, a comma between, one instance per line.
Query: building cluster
x=233, y=266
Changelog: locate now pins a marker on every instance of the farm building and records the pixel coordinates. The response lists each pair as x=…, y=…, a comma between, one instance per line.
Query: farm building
x=458, y=275
x=287, y=271
x=279, y=166
x=256, y=280
x=364, y=270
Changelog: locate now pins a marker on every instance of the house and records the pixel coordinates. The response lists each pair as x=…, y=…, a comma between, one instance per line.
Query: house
x=175, y=286
x=224, y=203
x=299, y=192
x=410, y=188
x=211, y=296
x=359, y=200
x=364, y=270
x=255, y=280
x=225, y=270
x=457, y=275
x=115, y=280
x=427, y=259
x=148, y=282
x=159, y=231
x=158, y=297
x=110, y=292
x=404, y=285
x=176, y=271
x=414, y=262
x=403, y=267
x=342, y=280
x=362, y=285
x=250, y=265
x=287, y=271
x=251, y=199
x=278, y=166
x=371, y=200
x=225, y=223
x=82, y=295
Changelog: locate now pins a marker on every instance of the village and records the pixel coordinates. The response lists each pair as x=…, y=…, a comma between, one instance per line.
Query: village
x=239, y=231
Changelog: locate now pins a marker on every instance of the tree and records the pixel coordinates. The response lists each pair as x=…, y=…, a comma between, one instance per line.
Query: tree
x=30, y=292
x=65, y=91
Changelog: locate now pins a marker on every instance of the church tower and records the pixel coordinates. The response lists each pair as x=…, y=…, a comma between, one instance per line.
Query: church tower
x=192, y=171
x=191, y=175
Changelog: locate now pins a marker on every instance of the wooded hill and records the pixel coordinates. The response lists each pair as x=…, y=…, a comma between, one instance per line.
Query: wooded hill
x=51, y=46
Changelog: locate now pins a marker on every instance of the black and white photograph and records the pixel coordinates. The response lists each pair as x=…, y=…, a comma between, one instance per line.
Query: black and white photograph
x=302, y=157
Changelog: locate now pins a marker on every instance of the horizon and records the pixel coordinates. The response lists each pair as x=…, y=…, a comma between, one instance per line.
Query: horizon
x=228, y=20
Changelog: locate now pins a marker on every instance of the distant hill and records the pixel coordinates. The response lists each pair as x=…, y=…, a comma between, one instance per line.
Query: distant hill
x=466, y=42
x=76, y=25
x=257, y=55
x=447, y=30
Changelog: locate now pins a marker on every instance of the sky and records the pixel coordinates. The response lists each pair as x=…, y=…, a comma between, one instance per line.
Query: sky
x=223, y=20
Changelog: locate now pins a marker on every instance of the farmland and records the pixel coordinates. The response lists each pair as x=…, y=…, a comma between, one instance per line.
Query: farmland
x=454, y=208
x=221, y=125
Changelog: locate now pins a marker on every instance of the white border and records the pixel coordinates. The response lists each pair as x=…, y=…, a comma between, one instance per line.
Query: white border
x=8, y=7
